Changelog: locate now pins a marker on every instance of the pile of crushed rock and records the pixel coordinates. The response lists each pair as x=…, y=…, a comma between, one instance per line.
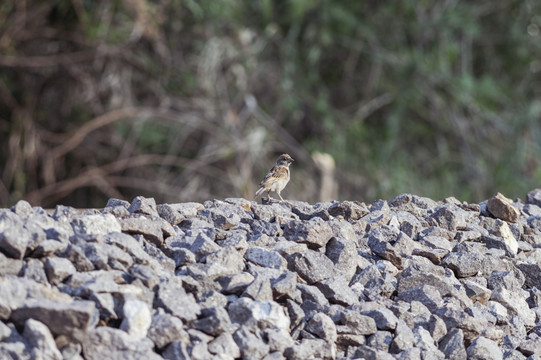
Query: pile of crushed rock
x=409, y=278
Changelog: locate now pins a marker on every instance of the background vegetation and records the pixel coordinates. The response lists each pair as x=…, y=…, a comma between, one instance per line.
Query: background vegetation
x=188, y=100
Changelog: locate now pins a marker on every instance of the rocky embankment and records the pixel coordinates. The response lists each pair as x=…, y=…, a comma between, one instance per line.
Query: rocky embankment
x=409, y=278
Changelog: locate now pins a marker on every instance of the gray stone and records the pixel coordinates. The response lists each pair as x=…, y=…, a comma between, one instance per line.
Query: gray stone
x=303, y=215
x=49, y=247
x=448, y=216
x=516, y=302
x=136, y=318
x=419, y=274
x=109, y=343
x=532, y=274
x=224, y=345
x=225, y=261
x=263, y=314
x=250, y=344
x=484, y=349
x=14, y=346
x=477, y=292
x=9, y=266
x=311, y=349
x=174, y=299
x=452, y=345
x=107, y=257
x=203, y=246
x=311, y=294
x=177, y=350
x=14, y=238
x=284, y=285
x=337, y=291
x=69, y=348
x=390, y=244
x=312, y=266
x=343, y=253
x=296, y=313
x=142, y=205
x=76, y=256
x=434, y=255
x=265, y=258
x=151, y=229
x=235, y=283
x=425, y=342
x=534, y=197
x=198, y=345
x=322, y=326
x=314, y=233
x=403, y=338
x=380, y=340
x=188, y=208
x=370, y=278
x=268, y=213
x=369, y=353
x=165, y=329
x=169, y=214
x=112, y=202
x=95, y=224
x=436, y=242
x=22, y=208
x=464, y=264
x=41, y=340
x=260, y=227
x=411, y=202
x=73, y=319
x=384, y=318
x=278, y=339
x=33, y=269
x=355, y=323
x=348, y=210
x=426, y=294
x=57, y=269
x=530, y=347
x=214, y=321
x=259, y=289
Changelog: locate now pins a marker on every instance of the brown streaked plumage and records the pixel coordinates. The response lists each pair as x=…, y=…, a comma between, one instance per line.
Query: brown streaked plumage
x=276, y=178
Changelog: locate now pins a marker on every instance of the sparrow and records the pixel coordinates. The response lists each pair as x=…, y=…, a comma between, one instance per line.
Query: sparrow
x=276, y=178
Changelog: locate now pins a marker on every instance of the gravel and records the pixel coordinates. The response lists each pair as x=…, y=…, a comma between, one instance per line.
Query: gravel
x=408, y=278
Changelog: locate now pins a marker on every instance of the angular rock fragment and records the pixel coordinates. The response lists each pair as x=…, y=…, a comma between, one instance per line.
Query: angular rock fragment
x=136, y=318
x=311, y=265
x=165, y=329
x=337, y=291
x=483, y=348
x=174, y=299
x=313, y=233
x=348, y=210
x=95, y=224
x=109, y=343
x=73, y=319
x=322, y=326
x=57, y=269
x=142, y=205
x=502, y=208
x=265, y=258
x=384, y=318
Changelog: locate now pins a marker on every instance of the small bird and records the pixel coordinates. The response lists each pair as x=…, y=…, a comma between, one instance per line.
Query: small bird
x=276, y=178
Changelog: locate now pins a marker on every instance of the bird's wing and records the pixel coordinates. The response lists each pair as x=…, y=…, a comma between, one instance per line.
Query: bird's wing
x=275, y=174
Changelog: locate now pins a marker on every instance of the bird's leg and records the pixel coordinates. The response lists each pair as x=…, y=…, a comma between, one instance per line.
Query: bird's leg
x=280, y=197
x=268, y=196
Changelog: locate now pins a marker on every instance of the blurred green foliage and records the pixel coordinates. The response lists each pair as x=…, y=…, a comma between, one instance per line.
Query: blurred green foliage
x=437, y=98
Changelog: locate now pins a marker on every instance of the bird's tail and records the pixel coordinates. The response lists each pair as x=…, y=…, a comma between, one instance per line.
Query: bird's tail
x=260, y=191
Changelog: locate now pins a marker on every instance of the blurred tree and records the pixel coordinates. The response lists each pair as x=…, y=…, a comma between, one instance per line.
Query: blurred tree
x=186, y=100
